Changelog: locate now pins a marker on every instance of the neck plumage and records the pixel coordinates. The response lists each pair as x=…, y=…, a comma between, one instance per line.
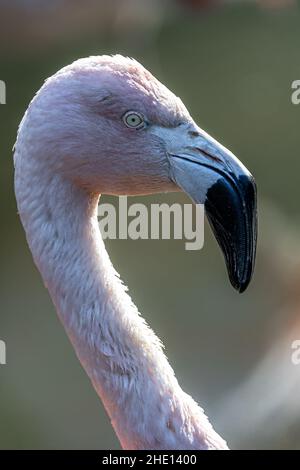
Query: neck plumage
x=120, y=353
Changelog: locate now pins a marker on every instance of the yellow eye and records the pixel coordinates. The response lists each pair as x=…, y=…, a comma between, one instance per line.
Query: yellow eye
x=134, y=120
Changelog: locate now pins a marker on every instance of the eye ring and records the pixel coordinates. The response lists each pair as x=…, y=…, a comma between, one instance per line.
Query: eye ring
x=134, y=120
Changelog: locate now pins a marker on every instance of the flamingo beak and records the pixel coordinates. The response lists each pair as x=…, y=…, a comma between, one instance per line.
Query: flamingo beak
x=211, y=175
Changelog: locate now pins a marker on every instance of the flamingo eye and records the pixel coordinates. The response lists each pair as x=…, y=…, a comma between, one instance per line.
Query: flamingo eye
x=134, y=120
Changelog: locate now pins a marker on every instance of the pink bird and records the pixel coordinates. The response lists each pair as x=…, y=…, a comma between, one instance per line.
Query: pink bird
x=106, y=125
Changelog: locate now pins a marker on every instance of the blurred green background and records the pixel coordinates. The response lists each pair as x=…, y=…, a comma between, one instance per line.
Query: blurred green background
x=232, y=63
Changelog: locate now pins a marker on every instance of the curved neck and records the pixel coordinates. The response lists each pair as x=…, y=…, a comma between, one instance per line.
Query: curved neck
x=120, y=353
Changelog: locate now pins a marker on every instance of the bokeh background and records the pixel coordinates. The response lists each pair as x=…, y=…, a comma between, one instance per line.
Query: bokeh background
x=232, y=63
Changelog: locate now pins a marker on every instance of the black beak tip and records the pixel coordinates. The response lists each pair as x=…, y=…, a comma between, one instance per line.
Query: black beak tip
x=232, y=213
x=240, y=278
x=241, y=286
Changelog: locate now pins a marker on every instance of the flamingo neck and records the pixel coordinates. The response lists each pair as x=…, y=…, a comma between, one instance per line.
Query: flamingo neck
x=120, y=353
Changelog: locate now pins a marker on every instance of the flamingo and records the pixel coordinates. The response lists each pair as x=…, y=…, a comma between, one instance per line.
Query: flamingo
x=106, y=125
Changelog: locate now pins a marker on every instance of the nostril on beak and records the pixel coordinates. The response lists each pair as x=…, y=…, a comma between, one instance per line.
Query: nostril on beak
x=194, y=134
x=204, y=152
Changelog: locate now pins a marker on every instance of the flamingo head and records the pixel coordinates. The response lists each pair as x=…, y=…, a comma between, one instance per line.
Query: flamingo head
x=109, y=126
